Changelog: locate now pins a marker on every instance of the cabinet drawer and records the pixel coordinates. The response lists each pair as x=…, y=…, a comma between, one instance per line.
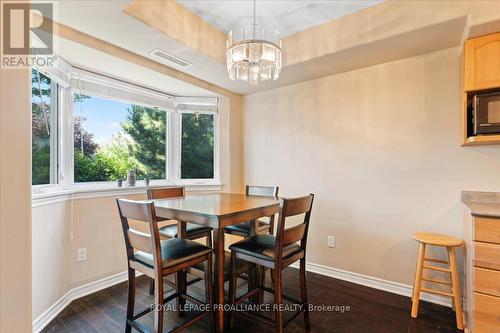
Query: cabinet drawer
x=486, y=313
x=487, y=255
x=487, y=281
x=487, y=229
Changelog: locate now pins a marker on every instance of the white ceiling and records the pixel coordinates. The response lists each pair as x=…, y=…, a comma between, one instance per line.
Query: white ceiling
x=106, y=20
x=287, y=17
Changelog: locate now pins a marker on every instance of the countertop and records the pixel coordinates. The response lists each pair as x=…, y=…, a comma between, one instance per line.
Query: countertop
x=482, y=203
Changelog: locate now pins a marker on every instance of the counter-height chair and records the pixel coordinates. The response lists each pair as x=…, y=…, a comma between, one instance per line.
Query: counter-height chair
x=277, y=253
x=155, y=258
x=243, y=229
x=193, y=231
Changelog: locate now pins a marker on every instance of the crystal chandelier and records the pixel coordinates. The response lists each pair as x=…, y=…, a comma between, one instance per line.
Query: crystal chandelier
x=254, y=55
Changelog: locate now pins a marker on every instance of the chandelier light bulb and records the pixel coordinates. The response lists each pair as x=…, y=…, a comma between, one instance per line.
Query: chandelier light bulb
x=254, y=59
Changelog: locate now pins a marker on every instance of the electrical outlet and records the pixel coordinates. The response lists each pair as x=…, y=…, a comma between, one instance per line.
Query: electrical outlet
x=81, y=254
x=331, y=241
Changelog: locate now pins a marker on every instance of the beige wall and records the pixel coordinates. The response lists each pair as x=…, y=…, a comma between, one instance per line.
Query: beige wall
x=51, y=243
x=15, y=201
x=380, y=148
x=96, y=226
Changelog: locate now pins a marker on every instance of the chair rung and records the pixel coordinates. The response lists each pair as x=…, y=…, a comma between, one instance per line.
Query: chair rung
x=192, y=299
x=142, y=313
x=246, y=296
x=435, y=268
x=437, y=281
x=260, y=317
x=288, y=298
x=295, y=315
x=436, y=260
x=189, y=323
x=436, y=292
x=148, y=310
x=193, y=281
x=138, y=326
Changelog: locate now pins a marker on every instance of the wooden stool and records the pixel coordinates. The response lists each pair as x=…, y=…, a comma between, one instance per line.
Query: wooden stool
x=450, y=243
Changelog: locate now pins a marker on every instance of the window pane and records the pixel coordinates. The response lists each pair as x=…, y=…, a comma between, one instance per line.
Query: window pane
x=112, y=138
x=44, y=129
x=197, y=151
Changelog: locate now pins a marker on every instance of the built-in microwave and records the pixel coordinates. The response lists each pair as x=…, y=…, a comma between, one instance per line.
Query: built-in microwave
x=486, y=113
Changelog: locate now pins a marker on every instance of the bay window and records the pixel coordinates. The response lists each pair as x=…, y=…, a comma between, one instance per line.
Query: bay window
x=92, y=130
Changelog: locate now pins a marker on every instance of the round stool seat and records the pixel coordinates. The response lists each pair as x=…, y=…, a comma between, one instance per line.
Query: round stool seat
x=437, y=239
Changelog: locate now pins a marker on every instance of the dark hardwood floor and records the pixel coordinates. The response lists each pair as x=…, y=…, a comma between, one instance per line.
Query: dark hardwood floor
x=370, y=310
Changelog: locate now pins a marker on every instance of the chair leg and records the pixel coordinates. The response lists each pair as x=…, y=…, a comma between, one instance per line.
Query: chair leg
x=261, y=284
x=233, y=278
x=303, y=293
x=151, y=286
x=209, y=239
x=456, y=288
x=180, y=282
x=131, y=299
x=278, y=286
x=418, y=281
x=158, y=314
x=209, y=297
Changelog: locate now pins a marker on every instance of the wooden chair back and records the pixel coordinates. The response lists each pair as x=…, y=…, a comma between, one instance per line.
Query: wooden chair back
x=266, y=191
x=166, y=192
x=286, y=236
x=134, y=239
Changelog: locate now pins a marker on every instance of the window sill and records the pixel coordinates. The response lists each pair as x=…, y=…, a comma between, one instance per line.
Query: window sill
x=96, y=190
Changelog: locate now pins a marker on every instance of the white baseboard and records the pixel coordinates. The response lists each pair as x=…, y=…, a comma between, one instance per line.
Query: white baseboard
x=369, y=281
x=373, y=282
x=48, y=315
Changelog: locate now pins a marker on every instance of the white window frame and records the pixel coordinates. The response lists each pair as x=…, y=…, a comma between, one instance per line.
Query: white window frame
x=65, y=137
x=55, y=124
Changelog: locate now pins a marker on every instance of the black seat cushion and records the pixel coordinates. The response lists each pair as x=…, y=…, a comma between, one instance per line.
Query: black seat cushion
x=174, y=251
x=245, y=227
x=263, y=247
x=170, y=231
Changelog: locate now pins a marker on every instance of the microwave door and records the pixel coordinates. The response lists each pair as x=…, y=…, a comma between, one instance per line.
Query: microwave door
x=487, y=114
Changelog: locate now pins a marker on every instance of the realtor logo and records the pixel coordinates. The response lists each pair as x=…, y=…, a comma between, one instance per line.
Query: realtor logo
x=19, y=21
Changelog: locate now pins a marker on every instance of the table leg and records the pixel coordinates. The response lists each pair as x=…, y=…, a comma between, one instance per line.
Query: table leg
x=219, y=279
x=252, y=274
x=181, y=277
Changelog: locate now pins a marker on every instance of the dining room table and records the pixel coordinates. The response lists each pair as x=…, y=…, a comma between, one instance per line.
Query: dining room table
x=217, y=210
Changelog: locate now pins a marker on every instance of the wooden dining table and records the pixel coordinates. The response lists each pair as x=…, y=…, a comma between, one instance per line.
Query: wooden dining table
x=216, y=210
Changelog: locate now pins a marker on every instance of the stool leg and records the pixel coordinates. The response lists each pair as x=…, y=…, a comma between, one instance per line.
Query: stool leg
x=418, y=281
x=451, y=280
x=456, y=288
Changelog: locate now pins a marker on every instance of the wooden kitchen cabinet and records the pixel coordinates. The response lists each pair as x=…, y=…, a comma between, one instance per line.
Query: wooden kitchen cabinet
x=482, y=262
x=486, y=276
x=482, y=62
